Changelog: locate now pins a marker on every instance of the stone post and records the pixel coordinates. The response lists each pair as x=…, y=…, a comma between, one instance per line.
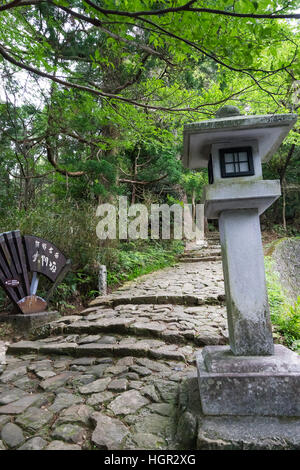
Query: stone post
x=102, y=280
x=200, y=224
x=250, y=331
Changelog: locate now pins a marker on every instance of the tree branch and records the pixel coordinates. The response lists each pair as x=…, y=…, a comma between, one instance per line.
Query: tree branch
x=212, y=56
x=52, y=160
x=99, y=24
x=187, y=7
x=105, y=95
x=31, y=177
x=142, y=182
x=134, y=79
x=15, y=3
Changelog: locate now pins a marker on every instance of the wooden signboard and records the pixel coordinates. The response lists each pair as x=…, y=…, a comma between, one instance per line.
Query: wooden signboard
x=22, y=260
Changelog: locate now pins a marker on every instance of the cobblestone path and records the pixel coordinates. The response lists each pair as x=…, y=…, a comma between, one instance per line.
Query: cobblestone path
x=109, y=378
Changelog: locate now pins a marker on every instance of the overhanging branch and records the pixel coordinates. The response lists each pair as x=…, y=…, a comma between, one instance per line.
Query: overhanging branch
x=143, y=183
x=187, y=8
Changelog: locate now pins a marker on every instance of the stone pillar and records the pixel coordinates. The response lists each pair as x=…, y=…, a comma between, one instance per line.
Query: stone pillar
x=250, y=331
x=200, y=223
x=102, y=280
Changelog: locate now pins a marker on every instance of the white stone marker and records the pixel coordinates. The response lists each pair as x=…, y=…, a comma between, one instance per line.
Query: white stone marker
x=102, y=280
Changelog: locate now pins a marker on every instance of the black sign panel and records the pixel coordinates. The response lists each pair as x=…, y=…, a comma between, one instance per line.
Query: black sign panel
x=43, y=257
x=21, y=259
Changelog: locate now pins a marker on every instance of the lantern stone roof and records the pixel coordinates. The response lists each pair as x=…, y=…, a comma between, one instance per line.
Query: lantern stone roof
x=268, y=130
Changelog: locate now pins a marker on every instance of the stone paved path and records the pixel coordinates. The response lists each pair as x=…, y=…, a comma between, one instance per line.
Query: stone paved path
x=109, y=378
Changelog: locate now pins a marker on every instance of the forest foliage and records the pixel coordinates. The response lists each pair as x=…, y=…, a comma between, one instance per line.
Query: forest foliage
x=94, y=96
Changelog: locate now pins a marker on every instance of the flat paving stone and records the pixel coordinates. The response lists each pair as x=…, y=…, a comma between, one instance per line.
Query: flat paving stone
x=76, y=414
x=36, y=443
x=148, y=441
x=97, y=370
x=26, y=384
x=65, y=400
x=99, y=398
x=12, y=435
x=140, y=370
x=167, y=390
x=97, y=386
x=43, y=365
x=71, y=433
x=33, y=419
x=109, y=433
x=84, y=361
x=53, y=383
x=128, y=402
x=3, y=420
x=89, y=339
x=19, y=406
x=11, y=375
x=163, y=409
x=150, y=392
x=45, y=374
x=59, y=445
x=118, y=385
x=12, y=395
x=154, y=424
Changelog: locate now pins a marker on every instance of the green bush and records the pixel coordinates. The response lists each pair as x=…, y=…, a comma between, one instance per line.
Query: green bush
x=71, y=226
x=285, y=317
x=289, y=323
x=132, y=259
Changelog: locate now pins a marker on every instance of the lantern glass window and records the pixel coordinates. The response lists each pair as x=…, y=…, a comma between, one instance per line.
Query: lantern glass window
x=236, y=162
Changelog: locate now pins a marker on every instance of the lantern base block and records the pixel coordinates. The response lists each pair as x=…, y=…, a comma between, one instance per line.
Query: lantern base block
x=248, y=433
x=249, y=385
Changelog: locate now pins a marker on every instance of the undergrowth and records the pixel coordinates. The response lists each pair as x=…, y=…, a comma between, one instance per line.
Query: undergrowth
x=72, y=228
x=133, y=259
x=284, y=315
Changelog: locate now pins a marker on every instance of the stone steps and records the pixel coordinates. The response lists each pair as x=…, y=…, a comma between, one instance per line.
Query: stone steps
x=114, y=301
x=213, y=251
x=187, y=283
x=200, y=254
x=213, y=236
x=147, y=330
x=194, y=259
x=109, y=377
x=150, y=349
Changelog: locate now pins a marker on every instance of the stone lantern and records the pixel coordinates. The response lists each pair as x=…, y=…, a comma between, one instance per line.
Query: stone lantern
x=251, y=376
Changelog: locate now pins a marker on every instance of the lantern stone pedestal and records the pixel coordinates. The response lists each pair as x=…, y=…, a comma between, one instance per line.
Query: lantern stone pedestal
x=199, y=430
x=249, y=385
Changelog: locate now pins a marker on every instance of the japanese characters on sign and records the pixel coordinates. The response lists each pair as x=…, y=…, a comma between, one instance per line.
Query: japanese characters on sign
x=43, y=257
